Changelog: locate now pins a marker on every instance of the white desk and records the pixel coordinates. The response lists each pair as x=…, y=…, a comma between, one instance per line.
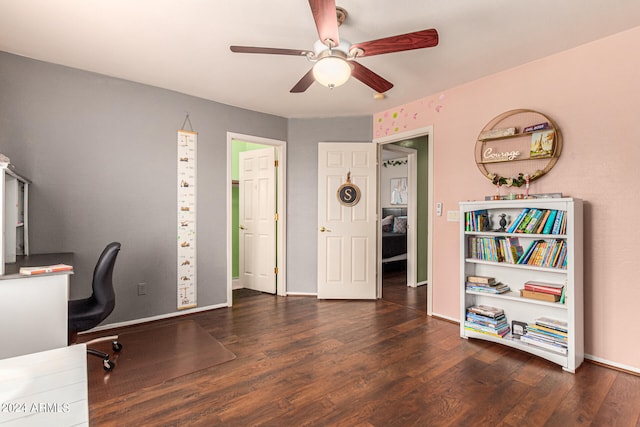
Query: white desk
x=33, y=309
x=45, y=389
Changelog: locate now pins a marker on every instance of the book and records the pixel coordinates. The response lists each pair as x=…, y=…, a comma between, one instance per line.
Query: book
x=481, y=279
x=513, y=249
x=487, y=321
x=525, y=221
x=541, y=296
x=559, y=325
x=512, y=227
x=533, y=223
x=542, y=344
x=557, y=223
x=498, y=333
x=543, y=221
x=534, y=249
x=544, y=287
x=550, y=221
x=542, y=144
x=534, y=253
x=56, y=268
x=539, y=126
x=486, y=310
x=527, y=253
x=553, y=333
x=498, y=288
x=493, y=334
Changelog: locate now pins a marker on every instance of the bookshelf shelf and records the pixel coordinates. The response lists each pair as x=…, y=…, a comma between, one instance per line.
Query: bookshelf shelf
x=516, y=307
x=557, y=358
x=527, y=235
x=513, y=296
x=517, y=266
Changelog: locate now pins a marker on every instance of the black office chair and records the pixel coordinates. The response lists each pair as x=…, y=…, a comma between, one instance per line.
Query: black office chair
x=85, y=314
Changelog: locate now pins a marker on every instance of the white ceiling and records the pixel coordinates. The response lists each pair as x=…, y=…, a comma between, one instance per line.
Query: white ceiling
x=183, y=45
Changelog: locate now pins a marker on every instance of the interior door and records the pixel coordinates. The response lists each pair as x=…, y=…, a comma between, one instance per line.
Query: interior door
x=347, y=233
x=257, y=211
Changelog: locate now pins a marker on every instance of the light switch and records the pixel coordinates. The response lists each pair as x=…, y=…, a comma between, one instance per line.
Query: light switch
x=439, y=209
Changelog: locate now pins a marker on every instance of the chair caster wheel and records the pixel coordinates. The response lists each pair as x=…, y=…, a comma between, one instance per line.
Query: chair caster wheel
x=108, y=365
x=116, y=346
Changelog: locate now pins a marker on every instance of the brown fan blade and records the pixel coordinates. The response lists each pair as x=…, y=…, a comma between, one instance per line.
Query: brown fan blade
x=371, y=79
x=324, y=13
x=269, y=50
x=304, y=83
x=409, y=41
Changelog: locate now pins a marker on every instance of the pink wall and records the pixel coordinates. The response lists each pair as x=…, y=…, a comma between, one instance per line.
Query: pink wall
x=593, y=94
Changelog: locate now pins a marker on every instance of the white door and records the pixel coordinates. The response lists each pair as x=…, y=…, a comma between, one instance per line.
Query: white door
x=257, y=209
x=347, y=234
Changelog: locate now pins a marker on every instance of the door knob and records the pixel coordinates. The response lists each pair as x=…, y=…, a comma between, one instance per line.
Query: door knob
x=242, y=227
x=323, y=229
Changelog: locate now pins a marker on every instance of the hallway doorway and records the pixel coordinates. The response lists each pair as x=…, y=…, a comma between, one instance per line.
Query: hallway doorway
x=421, y=140
x=241, y=147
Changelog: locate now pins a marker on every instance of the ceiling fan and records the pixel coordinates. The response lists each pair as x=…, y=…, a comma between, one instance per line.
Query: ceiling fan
x=335, y=60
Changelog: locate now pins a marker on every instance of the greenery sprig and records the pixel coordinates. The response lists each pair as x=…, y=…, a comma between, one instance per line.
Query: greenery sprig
x=394, y=163
x=514, y=181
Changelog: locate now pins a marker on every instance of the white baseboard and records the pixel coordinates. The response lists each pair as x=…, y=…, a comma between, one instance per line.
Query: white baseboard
x=236, y=283
x=613, y=364
x=423, y=283
x=443, y=317
x=302, y=294
x=153, y=318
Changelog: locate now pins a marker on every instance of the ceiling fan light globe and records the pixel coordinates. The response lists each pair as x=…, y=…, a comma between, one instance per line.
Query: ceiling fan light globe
x=331, y=71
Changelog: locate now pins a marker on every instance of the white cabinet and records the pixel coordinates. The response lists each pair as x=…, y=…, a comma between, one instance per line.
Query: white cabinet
x=14, y=196
x=475, y=263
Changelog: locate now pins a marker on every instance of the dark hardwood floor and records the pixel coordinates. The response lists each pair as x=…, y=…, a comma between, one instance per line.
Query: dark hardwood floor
x=305, y=362
x=395, y=290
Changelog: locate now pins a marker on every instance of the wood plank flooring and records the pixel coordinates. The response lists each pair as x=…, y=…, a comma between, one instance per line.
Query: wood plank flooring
x=395, y=290
x=304, y=362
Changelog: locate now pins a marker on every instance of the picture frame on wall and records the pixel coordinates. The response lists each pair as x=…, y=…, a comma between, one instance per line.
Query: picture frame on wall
x=399, y=193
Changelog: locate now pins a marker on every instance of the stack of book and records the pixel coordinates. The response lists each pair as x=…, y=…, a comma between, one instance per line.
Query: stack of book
x=539, y=221
x=543, y=291
x=496, y=249
x=543, y=253
x=486, y=284
x=486, y=320
x=547, y=333
x=477, y=221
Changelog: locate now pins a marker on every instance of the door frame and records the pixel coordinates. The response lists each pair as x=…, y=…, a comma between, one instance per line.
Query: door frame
x=281, y=196
x=428, y=132
x=412, y=211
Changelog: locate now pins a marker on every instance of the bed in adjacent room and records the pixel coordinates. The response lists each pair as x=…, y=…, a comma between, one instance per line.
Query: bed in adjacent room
x=394, y=234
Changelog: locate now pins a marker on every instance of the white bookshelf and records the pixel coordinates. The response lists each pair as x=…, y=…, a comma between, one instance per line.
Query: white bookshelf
x=515, y=275
x=14, y=197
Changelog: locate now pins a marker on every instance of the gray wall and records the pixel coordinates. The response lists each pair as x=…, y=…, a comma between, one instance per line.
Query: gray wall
x=101, y=153
x=302, y=190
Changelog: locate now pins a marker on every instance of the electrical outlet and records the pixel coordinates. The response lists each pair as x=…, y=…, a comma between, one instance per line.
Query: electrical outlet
x=142, y=289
